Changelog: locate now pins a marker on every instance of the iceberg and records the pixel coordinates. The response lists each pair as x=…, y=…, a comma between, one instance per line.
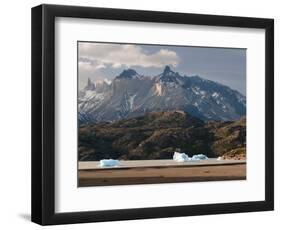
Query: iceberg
x=109, y=163
x=180, y=157
x=199, y=157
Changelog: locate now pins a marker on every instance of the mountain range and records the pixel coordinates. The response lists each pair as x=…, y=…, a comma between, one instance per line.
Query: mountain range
x=131, y=95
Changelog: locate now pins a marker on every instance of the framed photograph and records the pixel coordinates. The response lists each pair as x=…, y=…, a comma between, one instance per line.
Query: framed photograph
x=143, y=114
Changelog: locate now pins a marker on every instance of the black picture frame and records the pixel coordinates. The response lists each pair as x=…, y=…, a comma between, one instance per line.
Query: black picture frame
x=43, y=114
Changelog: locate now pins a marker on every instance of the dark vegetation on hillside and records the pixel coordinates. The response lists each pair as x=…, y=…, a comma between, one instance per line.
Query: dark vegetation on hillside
x=157, y=135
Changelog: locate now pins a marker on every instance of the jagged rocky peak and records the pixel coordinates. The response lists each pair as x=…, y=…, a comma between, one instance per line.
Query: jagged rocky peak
x=167, y=70
x=102, y=86
x=168, y=75
x=128, y=74
x=90, y=85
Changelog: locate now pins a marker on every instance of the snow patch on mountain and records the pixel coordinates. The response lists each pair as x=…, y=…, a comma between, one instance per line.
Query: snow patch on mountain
x=131, y=101
x=215, y=95
x=107, y=81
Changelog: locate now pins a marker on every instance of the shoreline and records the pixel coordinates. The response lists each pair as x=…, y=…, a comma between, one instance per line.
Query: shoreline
x=154, y=174
x=127, y=164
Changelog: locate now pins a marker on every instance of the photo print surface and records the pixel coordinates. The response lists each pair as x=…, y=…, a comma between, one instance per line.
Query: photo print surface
x=160, y=114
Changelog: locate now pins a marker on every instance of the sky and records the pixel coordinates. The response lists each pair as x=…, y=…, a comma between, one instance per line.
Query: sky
x=105, y=61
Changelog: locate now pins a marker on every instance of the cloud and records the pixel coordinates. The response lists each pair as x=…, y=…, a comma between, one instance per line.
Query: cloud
x=87, y=63
x=97, y=56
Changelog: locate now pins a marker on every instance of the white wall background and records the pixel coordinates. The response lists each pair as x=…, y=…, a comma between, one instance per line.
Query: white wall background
x=15, y=113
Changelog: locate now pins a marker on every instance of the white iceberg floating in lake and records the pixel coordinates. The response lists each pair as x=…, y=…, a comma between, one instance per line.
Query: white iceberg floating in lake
x=180, y=157
x=199, y=157
x=109, y=163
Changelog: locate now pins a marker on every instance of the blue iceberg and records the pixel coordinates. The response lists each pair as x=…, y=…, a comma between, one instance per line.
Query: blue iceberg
x=199, y=157
x=109, y=163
